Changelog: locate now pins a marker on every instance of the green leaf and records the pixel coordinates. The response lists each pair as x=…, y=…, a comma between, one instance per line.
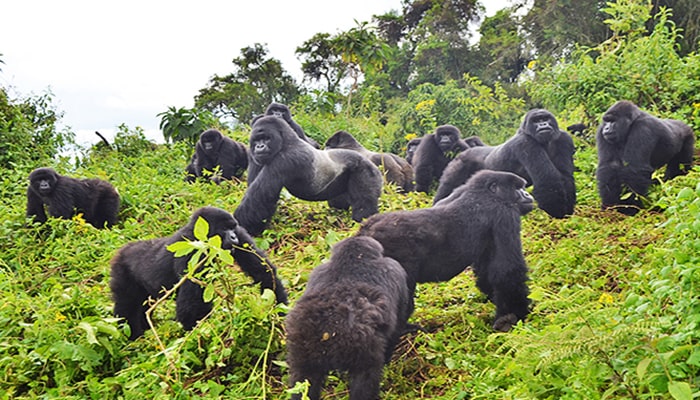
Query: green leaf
x=642, y=367
x=201, y=229
x=680, y=390
x=181, y=248
x=90, y=332
x=208, y=293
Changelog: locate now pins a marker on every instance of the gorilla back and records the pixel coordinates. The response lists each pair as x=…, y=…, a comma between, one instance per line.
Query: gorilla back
x=344, y=178
x=477, y=225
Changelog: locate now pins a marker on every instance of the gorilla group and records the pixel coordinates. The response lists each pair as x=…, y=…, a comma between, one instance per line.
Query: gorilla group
x=143, y=269
x=396, y=170
x=433, y=153
x=632, y=144
x=214, y=149
x=477, y=225
x=350, y=318
x=64, y=196
x=343, y=177
x=538, y=152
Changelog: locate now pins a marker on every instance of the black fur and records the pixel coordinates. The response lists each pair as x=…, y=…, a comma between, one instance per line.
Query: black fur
x=64, y=196
x=433, y=154
x=350, y=318
x=342, y=177
x=214, y=149
x=143, y=269
x=280, y=110
x=632, y=144
x=396, y=170
x=477, y=225
x=539, y=152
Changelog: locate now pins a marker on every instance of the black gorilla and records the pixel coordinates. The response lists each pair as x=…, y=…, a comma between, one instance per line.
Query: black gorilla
x=143, y=269
x=576, y=128
x=396, y=170
x=342, y=177
x=433, y=154
x=477, y=225
x=538, y=152
x=214, y=149
x=411, y=147
x=474, y=141
x=350, y=318
x=282, y=111
x=96, y=199
x=632, y=144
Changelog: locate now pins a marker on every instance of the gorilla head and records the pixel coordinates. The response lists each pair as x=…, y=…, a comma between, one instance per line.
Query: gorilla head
x=446, y=137
x=411, y=147
x=540, y=125
x=632, y=144
x=280, y=110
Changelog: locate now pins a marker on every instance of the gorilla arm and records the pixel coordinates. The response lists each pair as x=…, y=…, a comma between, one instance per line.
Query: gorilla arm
x=256, y=265
x=260, y=201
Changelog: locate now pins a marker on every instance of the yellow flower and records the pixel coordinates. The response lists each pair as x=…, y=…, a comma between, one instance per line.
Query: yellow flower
x=425, y=104
x=605, y=298
x=59, y=317
x=532, y=64
x=410, y=136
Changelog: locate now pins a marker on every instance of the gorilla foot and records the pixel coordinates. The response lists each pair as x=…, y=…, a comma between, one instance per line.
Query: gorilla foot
x=505, y=322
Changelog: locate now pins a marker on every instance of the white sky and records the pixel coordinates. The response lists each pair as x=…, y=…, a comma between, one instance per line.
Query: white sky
x=125, y=61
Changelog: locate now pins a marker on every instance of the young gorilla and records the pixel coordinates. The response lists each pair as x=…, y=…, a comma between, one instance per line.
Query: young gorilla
x=214, y=149
x=539, y=152
x=433, y=154
x=64, y=196
x=350, y=318
x=632, y=144
x=143, y=269
x=396, y=170
x=342, y=177
x=477, y=225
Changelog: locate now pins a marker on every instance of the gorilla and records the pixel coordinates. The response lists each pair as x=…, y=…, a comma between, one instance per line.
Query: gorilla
x=576, y=128
x=632, y=144
x=143, y=269
x=396, y=170
x=433, y=153
x=538, y=152
x=477, y=225
x=411, y=147
x=350, y=318
x=474, y=141
x=64, y=196
x=214, y=149
x=280, y=110
x=342, y=177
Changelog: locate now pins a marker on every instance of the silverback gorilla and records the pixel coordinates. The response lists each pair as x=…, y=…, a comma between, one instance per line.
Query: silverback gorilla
x=538, y=152
x=477, y=225
x=433, y=154
x=350, y=318
x=342, y=177
x=143, y=269
x=214, y=149
x=64, y=196
x=632, y=144
x=396, y=170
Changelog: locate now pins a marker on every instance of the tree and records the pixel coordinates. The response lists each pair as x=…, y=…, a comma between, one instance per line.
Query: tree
x=183, y=124
x=321, y=61
x=256, y=82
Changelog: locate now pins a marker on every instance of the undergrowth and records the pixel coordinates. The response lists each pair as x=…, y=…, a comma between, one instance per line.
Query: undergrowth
x=615, y=313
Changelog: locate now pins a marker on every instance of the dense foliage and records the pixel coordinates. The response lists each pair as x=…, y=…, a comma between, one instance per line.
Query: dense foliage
x=616, y=310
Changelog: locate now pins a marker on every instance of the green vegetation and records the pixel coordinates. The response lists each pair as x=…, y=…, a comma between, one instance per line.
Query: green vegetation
x=616, y=300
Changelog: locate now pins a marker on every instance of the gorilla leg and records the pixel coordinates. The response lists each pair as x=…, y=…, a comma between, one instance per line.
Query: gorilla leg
x=364, y=383
x=190, y=306
x=129, y=298
x=681, y=163
x=364, y=189
x=509, y=294
x=316, y=381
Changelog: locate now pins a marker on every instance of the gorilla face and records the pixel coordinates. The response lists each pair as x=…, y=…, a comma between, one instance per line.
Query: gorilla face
x=265, y=143
x=446, y=136
x=209, y=140
x=614, y=127
x=510, y=190
x=541, y=125
x=43, y=181
x=279, y=111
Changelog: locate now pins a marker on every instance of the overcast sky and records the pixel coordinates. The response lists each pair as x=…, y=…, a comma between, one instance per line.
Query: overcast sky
x=125, y=61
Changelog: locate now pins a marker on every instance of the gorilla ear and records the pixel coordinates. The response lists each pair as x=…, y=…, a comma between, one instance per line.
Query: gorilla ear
x=493, y=187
